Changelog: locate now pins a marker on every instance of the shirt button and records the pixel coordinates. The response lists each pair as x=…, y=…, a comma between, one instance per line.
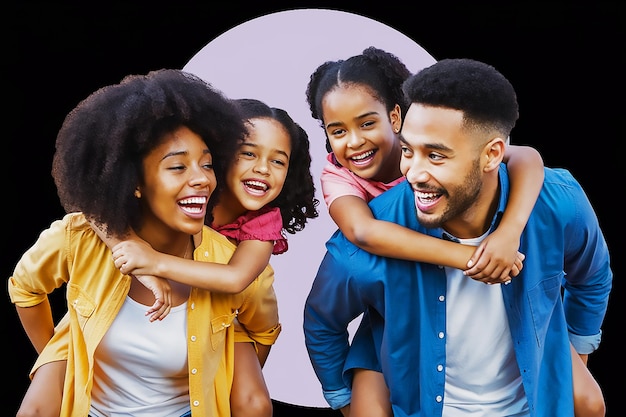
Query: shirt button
x=438, y=398
x=194, y=371
x=196, y=403
x=440, y=266
x=442, y=297
x=193, y=338
x=193, y=305
x=439, y=368
x=206, y=254
x=440, y=335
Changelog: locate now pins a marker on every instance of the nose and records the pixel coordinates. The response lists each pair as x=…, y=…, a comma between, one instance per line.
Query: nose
x=355, y=140
x=414, y=170
x=199, y=177
x=261, y=166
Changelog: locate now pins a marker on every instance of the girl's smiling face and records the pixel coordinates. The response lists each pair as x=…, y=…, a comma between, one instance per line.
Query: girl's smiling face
x=257, y=175
x=362, y=134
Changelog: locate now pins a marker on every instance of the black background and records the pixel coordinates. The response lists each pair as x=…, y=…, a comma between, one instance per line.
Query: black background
x=566, y=62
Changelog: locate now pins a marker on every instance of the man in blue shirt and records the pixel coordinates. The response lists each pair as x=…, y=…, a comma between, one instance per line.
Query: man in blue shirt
x=449, y=345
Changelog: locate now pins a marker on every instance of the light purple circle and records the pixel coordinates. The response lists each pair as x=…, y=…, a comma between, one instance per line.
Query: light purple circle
x=271, y=58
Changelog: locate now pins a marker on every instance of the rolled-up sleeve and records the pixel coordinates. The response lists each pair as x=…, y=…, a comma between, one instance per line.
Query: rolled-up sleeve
x=42, y=268
x=330, y=307
x=259, y=311
x=588, y=275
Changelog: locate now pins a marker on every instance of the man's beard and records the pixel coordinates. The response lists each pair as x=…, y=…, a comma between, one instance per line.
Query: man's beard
x=460, y=199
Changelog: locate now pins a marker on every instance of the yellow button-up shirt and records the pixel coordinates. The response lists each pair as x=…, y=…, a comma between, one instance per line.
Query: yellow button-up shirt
x=70, y=252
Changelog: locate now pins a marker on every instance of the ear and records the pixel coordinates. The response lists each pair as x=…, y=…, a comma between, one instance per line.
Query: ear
x=492, y=154
x=137, y=192
x=395, y=116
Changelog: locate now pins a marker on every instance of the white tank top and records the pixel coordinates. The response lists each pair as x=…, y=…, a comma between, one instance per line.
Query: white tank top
x=482, y=376
x=140, y=367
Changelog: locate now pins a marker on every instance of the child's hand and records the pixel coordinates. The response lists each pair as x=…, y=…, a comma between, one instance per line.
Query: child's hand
x=495, y=261
x=136, y=257
x=162, y=291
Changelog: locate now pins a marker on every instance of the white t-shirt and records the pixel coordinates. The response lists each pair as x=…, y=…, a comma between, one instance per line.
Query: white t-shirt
x=482, y=376
x=140, y=366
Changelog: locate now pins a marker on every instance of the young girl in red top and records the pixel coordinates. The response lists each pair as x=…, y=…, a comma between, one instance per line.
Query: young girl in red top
x=268, y=190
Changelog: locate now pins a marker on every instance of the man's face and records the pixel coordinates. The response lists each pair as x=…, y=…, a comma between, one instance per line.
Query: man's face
x=441, y=162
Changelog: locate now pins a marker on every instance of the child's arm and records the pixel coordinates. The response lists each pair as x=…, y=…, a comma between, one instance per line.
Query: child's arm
x=497, y=253
x=137, y=257
x=354, y=217
x=160, y=288
x=248, y=261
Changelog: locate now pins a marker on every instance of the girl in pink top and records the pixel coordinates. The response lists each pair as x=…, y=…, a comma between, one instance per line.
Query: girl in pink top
x=359, y=104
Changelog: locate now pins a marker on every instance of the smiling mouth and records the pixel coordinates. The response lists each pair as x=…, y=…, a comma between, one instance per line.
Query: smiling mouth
x=425, y=201
x=193, y=205
x=427, y=198
x=363, y=158
x=256, y=187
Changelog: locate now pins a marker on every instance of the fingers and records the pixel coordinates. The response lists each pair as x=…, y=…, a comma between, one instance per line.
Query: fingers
x=162, y=292
x=120, y=262
x=158, y=311
x=472, y=263
x=515, y=270
x=492, y=271
x=122, y=265
x=491, y=274
x=155, y=310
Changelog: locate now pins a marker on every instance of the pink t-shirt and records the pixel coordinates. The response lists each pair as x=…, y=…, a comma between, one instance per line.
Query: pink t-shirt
x=338, y=181
x=265, y=224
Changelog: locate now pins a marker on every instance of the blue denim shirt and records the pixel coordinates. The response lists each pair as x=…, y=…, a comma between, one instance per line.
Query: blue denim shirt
x=561, y=295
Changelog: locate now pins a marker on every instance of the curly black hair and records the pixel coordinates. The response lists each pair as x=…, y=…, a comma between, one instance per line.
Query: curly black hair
x=486, y=98
x=296, y=201
x=101, y=145
x=380, y=71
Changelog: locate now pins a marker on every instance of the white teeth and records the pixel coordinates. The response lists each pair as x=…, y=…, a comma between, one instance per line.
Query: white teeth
x=426, y=196
x=257, y=184
x=193, y=209
x=193, y=200
x=362, y=156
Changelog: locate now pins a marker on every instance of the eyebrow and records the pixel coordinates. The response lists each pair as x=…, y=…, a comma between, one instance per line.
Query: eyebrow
x=361, y=116
x=178, y=153
x=254, y=145
x=434, y=146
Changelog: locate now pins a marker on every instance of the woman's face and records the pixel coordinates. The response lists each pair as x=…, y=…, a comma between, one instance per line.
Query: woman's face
x=361, y=132
x=178, y=181
x=257, y=175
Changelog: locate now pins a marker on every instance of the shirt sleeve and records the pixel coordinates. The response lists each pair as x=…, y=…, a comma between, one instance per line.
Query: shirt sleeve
x=330, y=307
x=41, y=269
x=588, y=275
x=258, y=315
x=585, y=344
x=265, y=225
x=338, y=182
x=58, y=346
x=337, y=399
